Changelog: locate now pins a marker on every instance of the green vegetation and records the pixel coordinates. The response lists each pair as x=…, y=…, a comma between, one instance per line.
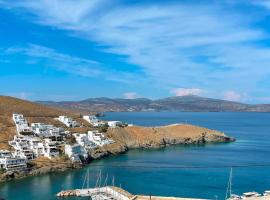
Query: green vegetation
x=103, y=128
x=31, y=165
x=71, y=140
x=2, y=170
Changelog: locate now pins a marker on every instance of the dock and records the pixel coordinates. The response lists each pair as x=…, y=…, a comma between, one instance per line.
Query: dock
x=116, y=193
x=113, y=193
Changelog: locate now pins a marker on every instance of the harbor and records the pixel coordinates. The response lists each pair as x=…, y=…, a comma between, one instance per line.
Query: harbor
x=113, y=193
x=116, y=193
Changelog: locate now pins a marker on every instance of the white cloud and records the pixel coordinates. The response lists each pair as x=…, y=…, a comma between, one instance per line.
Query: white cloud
x=36, y=54
x=232, y=96
x=175, y=44
x=186, y=91
x=60, y=61
x=130, y=95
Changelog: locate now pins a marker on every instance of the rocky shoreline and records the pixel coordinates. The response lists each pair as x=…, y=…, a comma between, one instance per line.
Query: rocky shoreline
x=127, y=138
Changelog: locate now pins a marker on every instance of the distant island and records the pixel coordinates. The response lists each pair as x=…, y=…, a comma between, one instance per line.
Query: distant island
x=190, y=103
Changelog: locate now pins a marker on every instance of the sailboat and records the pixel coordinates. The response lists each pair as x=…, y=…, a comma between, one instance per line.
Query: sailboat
x=229, y=195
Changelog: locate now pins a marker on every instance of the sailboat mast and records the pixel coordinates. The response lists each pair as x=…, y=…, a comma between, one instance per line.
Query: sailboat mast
x=229, y=187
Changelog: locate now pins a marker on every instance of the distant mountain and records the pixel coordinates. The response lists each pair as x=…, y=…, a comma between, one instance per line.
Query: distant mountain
x=181, y=103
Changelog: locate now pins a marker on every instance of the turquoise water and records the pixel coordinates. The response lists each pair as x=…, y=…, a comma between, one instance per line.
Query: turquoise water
x=252, y=131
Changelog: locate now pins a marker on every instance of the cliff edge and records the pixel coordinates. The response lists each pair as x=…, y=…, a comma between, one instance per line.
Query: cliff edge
x=155, y=137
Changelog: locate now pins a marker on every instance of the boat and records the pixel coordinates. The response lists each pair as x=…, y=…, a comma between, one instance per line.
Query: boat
x=234, y=197
x=247, y=195
x=266, y=193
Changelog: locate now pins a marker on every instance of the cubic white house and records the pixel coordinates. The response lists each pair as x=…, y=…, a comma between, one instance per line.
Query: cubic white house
x=10, y=162
x=74, y=152
x=69, y=122
x=48, y=131
x=82, y=139
x=93, y=120
x=32, y=147
x=98, y=138
x=22, y=148
x=21, y=124
x=50, y=149
x=114, y=124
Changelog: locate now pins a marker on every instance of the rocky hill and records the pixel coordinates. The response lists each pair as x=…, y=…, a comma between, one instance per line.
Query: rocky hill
x=182, y=103
x=155, y=137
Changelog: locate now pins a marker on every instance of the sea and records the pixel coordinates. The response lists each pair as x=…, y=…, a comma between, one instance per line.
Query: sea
x=198, y=171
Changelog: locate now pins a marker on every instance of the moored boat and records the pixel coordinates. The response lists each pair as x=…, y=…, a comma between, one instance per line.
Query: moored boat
x=247, y=195
x=266, y=193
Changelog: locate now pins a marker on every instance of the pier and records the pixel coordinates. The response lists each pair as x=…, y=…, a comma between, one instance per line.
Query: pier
x=113, y=193
x=116, y=193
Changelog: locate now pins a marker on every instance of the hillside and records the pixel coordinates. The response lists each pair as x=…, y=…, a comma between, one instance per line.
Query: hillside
x=145, y=137
x=183, y=103
x=32, y=111
x=124, y=138
x=102, y=104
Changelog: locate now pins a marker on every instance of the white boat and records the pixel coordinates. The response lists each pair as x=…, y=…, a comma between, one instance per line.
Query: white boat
x=234, y=197
x=247, y=195
x=266, y=193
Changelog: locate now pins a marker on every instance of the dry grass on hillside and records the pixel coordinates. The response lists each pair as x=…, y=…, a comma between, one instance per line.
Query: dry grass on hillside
x=32, y=111
x=142, y=135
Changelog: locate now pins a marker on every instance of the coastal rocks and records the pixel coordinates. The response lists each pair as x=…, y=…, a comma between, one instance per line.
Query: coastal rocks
x=155, y=137
x=39, y=169
x=130, y=138
x=113, y=149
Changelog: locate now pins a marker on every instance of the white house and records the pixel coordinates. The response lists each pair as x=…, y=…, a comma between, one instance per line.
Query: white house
x=82, y=139
x=10, y=162
x=93, y=120
x=114, y=124
x=21, y=146
x=98, y=138
x=21, y=124
x=50, y=149
x=69, y=122
x=74, y=152
x=37, y=146
x=48, y=131
x=43, y=147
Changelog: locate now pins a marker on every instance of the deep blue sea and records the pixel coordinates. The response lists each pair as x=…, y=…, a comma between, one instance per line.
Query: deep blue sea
x=252, y=131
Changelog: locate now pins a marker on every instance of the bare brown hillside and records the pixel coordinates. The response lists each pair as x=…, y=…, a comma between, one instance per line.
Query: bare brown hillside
x=33, y=112
x=136, y=136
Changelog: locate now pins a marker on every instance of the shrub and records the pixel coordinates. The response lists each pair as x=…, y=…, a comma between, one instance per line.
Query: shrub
x=103, y=128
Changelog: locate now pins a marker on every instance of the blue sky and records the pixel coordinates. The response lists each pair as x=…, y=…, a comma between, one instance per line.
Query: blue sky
x=71, y=50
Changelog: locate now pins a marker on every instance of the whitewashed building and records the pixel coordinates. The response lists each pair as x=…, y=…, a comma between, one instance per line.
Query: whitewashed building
x=50, y=149
x=10, y=162
x=74, y=152
x=93, y=120
x=21, y=124
x=42, y=147
x=22, y=148
x=98, y=138
x=37, y=146
x=114, y=124
x=82, y=139
x=48, y=131
x=69, y=122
